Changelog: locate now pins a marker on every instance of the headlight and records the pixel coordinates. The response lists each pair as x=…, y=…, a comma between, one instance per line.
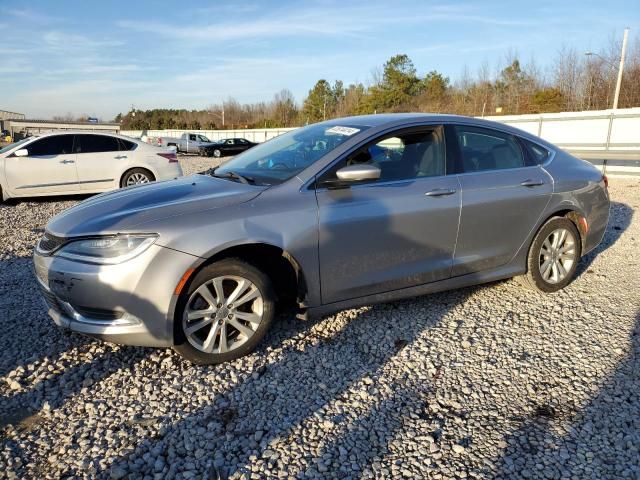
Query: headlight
x=107, y=250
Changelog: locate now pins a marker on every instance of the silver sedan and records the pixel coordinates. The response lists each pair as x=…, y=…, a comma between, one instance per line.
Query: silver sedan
x=334, y=215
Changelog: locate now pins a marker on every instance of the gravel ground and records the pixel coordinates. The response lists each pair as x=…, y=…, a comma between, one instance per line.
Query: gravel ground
x=483, y=382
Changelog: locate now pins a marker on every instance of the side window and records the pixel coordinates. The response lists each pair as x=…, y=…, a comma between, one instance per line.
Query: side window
x=96, y=144
x=402, y=155
x=241, y=141
x=485, y=149
x=537, y=153
x=229, y=142
x=54, y=145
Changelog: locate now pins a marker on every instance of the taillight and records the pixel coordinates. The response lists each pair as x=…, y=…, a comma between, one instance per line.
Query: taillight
x=171, y=156
x=606, y=181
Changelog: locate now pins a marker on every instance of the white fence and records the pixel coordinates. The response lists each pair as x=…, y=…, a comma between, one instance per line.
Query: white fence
x=591, y=133
x=588, y=134
x=253, y=134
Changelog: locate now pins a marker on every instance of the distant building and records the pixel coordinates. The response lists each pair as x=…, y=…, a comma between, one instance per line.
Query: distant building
x=20, y=128
x=4, y=115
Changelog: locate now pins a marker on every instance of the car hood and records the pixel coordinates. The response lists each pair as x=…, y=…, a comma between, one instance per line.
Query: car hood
x=122, y=210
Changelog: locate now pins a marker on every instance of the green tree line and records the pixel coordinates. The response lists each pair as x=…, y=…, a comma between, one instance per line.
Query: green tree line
x=574, y=82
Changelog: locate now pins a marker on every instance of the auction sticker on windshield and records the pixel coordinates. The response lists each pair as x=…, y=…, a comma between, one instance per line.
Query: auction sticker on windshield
x=342, y=130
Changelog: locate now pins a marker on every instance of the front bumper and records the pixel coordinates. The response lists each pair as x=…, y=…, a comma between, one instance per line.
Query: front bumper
x=130, y=303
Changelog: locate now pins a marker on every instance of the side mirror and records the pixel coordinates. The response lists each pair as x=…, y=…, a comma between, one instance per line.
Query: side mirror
x=356, y=173
x=23, y=152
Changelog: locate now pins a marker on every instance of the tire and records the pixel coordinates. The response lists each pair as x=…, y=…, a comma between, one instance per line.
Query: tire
x=217, y=153
x=136, y=176
x=558, y=258
x=195, y=337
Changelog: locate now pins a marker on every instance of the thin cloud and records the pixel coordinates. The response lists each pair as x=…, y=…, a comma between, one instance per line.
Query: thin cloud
x=316, y=22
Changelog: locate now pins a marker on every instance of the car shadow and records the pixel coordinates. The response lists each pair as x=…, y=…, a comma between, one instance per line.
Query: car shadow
x=620, y=216
x=561, y=440
x=50, y=199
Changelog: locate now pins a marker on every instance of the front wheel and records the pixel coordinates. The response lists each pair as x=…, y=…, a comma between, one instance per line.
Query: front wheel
x=217, y=153
x=553, y=256
x=226, y=312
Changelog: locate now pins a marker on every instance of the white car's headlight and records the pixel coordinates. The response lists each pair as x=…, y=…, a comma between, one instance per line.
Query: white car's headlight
x=107, y=250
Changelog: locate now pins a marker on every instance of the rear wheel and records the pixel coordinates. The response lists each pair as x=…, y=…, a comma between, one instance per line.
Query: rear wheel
x=226, y=312
x=136, y=176
x=553, y=256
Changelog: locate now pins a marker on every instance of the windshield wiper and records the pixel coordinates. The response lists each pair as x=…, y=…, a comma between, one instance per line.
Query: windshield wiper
x=231, y=174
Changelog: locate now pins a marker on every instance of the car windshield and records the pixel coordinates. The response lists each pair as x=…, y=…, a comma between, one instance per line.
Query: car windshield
x=283, y=157
x=15, y=144
x=202, y=138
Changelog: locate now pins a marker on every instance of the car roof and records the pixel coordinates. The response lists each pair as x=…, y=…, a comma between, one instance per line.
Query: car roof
x=82, y=132
x=399, y=119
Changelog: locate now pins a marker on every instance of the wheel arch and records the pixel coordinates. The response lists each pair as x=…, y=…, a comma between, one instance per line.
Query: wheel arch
x=573, y=213
x=280, y=266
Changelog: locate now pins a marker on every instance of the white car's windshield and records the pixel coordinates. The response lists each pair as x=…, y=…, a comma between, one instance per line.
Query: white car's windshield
x=285, y=156
x=14, y=145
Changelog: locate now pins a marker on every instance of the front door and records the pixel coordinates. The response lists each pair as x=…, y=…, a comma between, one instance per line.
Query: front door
x=395, y=232
x=50, y=167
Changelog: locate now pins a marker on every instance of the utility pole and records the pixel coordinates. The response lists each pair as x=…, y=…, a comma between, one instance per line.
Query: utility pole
x=620, y=68
x=223, y=114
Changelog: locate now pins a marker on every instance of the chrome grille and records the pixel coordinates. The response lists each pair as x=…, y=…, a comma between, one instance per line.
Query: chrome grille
x=48, y=243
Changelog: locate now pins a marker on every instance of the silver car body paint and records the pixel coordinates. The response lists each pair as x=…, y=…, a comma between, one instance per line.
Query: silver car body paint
x=365, y=244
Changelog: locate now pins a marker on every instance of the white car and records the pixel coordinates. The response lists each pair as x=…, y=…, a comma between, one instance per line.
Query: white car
x=81, y=162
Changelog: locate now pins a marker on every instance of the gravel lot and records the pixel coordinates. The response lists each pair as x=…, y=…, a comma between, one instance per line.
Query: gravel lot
x=490, y=381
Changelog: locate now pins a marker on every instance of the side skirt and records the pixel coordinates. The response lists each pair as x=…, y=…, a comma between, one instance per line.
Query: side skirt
x=506, y=271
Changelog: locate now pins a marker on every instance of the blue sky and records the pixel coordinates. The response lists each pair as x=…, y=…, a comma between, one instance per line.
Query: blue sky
x=101, y=57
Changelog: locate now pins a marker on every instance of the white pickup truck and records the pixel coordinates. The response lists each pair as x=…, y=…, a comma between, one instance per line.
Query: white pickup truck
x=187, y=143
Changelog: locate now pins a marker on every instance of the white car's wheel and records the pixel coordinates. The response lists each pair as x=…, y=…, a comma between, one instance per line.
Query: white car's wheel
x=136, y=176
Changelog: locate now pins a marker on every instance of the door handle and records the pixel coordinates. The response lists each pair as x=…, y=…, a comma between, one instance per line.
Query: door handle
x=440, y=192
x=120, y=156
x=532, y=183
x=67, y=161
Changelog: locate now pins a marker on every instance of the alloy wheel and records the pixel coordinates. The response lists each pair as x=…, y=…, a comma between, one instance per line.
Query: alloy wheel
x=137, y=179
x=217, y=153
x=222, y=314
x=557, y=255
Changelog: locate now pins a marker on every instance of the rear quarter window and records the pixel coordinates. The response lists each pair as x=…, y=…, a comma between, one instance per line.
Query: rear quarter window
x=537, y=153
x=126, y=145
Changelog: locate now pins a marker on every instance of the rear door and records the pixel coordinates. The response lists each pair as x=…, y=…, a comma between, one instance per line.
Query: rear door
x=503, y=195
x=50, y=167
x=395, y=232
x=101, y=159
x=243, y=144
x=231, y=147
